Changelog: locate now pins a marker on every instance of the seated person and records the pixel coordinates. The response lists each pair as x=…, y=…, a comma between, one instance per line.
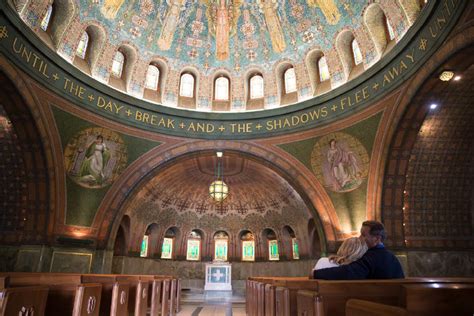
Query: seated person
x=351, y=250
x=376, y=263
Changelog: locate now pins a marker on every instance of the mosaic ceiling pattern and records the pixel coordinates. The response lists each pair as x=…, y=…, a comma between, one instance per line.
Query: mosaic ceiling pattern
x=231, y=34
x=253, y=190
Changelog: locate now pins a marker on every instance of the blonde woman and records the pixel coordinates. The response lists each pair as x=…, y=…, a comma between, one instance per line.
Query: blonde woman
x=351, y=250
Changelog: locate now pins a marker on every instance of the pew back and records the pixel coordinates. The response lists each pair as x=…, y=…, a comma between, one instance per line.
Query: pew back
x=23, y=301
x=355, y=307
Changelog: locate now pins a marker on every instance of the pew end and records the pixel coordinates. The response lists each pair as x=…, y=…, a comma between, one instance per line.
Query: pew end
x=23, y=301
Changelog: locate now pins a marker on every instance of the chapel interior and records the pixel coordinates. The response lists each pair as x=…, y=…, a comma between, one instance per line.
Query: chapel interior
x=165, y=138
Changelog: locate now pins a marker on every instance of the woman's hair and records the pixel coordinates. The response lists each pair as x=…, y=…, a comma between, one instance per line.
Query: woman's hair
x=352, y=249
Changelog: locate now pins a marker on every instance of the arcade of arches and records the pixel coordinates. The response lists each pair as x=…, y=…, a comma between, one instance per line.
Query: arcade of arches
x=328, y=113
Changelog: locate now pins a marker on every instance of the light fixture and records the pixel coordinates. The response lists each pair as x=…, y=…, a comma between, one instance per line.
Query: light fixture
x=433, y=106
x=457, y=78
x=218, y=190
x=446, y=75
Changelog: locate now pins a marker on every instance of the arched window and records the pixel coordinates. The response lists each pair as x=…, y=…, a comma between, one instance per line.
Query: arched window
x=248, y=246
x=272, y=243
x=221, y=245
x=357, y=55
x=391, y=33
x=117, y=64
x=193, y=252
x=296, y=251
x=167, y=248
x=144, y=246
x=82, y=47
x=186, y=87
x=47, y=18
x=221, y=89
x=152, y=77
x=323, y=69
x=290, y=80
x=168, y=243
x=256, y=87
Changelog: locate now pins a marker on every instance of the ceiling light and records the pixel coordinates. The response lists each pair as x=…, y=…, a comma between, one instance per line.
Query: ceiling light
x=218, y=190
x=446, y=75
x=433, y=106
x=457, y=78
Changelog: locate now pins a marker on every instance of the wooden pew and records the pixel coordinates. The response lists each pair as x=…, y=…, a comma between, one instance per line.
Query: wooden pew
x=282, y=301
x=75, y=300
x=115, y=293
x=165, y=294
x=4, y=282
x=355, y=307
x=439, y=299
x=333, y=294
x=23, y=301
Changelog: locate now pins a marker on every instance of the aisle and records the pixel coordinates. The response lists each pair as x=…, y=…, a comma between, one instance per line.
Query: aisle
x=211, y=303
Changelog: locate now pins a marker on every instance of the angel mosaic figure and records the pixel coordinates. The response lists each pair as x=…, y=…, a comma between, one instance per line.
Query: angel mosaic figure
x=96, y=159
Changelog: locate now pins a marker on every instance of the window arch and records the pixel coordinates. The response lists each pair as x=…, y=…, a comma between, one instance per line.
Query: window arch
x=221, y=246
x=272, y=244
x=323, y=69
x=356, y=53
x=83, y=45
x=193, y=250
x=256, y=87
x=168, y=243
x=144, y=246
x=186, y=86
x=291, y=243
x=152, y=77
x=47, y=18
x=221, y=88
x=248, y=246
x=289, y=78
x=117, y=64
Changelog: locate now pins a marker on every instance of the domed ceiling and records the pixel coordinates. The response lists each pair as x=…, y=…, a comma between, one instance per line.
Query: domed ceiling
x=230, y=34
x=253, y=190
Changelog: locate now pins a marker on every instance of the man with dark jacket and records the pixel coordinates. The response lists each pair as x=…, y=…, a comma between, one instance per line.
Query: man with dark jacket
x=376, y=263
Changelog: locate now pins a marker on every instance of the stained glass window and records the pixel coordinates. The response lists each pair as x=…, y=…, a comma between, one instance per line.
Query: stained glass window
x=220, y=251
x=273, y=250
x=356, y=52
x=144, y=247
x=296, y=252
x=256, y=87
x=290, y=80
x=117, y=64
x=248, y=250
x=186, y=88
x=323, y=69
x=167, y=248
x=152, y=77
x=82, y=47
x=46, y=18
x=221, y=89
x=193, y=249
x=391, y=33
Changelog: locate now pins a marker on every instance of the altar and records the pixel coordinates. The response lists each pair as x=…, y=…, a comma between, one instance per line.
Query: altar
x=218, y=277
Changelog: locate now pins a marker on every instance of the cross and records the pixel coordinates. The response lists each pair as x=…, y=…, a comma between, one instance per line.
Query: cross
x=128, y=112
x=91, y=98
x=217, y=275
x=259, y=207
x=308, y=37
x=375, y=86
x=56, y=77
x=259, y=126
x=334, y=108
x=251, y=55
x=423, y=43
x=182, y=125
x=222, y=128
x=201, y=208
x=193, y=53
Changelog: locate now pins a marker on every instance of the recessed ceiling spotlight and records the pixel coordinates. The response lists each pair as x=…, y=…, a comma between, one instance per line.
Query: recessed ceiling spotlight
x=457, y=78
x=433, y=106
x=446, y=75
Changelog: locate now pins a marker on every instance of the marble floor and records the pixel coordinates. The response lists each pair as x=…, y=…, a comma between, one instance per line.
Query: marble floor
x=212, y=303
